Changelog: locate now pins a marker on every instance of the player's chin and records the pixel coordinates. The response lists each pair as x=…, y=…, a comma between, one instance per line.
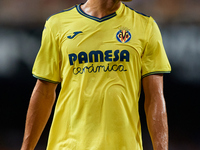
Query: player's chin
x=126, y=0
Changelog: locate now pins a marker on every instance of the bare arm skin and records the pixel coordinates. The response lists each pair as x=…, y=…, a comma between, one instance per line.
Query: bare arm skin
x=155, y=109
x=40, y=106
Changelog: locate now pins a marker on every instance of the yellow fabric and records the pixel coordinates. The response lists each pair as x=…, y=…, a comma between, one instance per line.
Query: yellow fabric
x=100, y=63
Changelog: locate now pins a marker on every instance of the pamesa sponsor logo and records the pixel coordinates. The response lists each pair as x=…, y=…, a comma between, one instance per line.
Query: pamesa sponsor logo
x=99, y=56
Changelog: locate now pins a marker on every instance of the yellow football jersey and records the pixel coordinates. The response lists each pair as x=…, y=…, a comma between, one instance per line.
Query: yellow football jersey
x=100, y=63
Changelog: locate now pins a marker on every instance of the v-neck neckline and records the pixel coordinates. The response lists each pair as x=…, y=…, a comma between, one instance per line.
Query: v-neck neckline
x=80, y=11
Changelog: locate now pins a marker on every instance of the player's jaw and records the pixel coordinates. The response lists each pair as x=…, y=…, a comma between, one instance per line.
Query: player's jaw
x=126, y=0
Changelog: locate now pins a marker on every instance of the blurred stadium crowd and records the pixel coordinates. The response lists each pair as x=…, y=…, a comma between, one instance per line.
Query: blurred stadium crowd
x=23, y=12
x=21, y=25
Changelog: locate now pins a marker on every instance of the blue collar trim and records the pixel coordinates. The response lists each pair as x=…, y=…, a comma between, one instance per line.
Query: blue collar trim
x=78, y=7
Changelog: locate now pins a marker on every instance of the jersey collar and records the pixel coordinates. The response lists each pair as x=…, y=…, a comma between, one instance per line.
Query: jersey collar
x=78, y=7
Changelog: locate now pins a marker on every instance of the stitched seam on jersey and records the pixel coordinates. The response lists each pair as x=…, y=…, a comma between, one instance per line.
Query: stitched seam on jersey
x=147, y=34
x=59, y=49
x=53, y=37
x=44, y=79
x=156, y=72
x=58, y=45
x=95, y=18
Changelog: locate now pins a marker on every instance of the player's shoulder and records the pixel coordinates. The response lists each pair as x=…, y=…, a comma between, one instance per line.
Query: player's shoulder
x=138, y=15
x=64, y=14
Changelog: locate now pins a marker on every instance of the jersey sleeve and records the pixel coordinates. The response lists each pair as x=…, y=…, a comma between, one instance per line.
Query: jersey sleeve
x=47, y=63
x=154, y=58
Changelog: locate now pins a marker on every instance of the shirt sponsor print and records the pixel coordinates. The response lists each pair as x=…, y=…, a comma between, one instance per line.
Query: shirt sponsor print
x=99, y=56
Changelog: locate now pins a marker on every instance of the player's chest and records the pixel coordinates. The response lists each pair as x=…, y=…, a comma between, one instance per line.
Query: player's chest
x=82, y=37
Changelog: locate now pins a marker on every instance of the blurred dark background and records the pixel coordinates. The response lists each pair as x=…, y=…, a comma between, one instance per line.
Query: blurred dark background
x=21, y=25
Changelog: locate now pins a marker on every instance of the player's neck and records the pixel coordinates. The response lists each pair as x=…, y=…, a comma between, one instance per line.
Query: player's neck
x=100, y=8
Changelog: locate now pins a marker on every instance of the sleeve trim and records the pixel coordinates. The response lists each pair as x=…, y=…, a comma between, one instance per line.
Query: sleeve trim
x=45, y=79
x=156, y=72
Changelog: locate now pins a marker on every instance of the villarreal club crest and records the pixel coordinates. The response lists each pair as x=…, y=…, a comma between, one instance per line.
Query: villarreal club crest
x=123, y=35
